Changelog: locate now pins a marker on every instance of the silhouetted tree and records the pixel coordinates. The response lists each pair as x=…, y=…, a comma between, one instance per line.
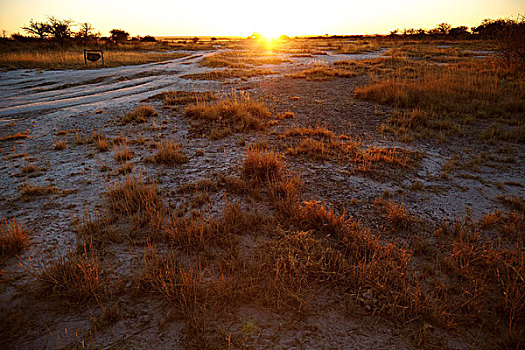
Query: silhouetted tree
x=85, y=30
x=393, y=32
x=60, y=28
x=511, y=41
x=458, y=31
x=118, y=35
x=442, y=28
x=490, y=28
x=148, y=39
x=41, y=29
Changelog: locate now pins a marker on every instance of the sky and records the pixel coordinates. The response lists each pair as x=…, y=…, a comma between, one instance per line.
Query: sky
x=269, y=17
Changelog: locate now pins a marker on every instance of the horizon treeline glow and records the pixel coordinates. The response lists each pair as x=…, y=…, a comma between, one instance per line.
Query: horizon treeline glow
x=271, y=18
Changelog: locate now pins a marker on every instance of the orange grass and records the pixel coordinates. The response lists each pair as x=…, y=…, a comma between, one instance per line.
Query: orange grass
x=13, y=238
x=74, y=59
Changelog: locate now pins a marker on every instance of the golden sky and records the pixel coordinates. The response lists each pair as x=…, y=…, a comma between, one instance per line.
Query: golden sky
x=270, y=17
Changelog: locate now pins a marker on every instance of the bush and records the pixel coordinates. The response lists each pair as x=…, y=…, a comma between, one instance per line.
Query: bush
x=511, y=41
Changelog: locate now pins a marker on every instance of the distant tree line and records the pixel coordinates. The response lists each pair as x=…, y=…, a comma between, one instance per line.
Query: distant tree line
x=509, y=34
x=488, y=29
x=62, y=30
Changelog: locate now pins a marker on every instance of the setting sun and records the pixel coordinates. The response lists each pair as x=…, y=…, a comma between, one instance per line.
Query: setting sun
x=274, y=18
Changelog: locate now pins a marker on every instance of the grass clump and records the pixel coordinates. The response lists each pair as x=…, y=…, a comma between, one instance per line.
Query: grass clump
x=180, y=285
x=141, y=114
x=132, y=194
x=60, y=145
x=309, y=131
x=225, y=74
x=76, y=276
x=138, y=202
x=28, y=192
x=322, y=72
x=124, y=153
x=101, y=144
x=178, y=98
x=238, y=114
x=168, y=152
x=13, y=238
x=262, y=165
x=17, y=136
x=350, y=152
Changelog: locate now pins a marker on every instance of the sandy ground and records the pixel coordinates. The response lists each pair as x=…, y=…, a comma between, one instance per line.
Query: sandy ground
x=45, y=102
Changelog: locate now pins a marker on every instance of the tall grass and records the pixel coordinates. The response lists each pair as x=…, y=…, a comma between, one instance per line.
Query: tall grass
x=74, y=58
x=472, y=89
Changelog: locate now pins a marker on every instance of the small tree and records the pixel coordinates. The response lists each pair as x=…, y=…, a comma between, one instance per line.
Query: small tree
x=41, y=29
x=443, y=28
x=459, y=31
x=490, y=28
x=148, y=39
x=118, y=35
x=60, y=28
x=85, y=30
x=511, y=41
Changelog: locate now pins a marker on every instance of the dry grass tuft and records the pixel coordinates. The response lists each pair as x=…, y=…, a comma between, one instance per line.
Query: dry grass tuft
x=140, y=204
x=323, y=72
x=317, y=216
x=60, y=145
x=262, y=165
x=123, y=154
x=75, y=276
x=132, y=195
x=238, y=114
x=125, y=168
x=226, y=74
x=17, y=136
x=177, y=98
x=286, y=115
x=513, y=202
x=285, y=195
x=141, y=114
x=168, y=152
x=28, y=192
x=398, y=214
x=29, y=169
x=101, y=144
x=13, y=238
x=165, y=275
x=327, y=149
x=309, y=131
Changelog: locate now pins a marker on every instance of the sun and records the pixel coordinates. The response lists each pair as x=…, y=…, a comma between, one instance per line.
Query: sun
x=271, y=33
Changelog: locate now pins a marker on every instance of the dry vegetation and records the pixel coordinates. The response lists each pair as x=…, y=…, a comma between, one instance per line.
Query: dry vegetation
x=213, y=250
x=226, y=74
x=141, y=114
x=233, y=115
x=13, y=238
x=322, y=72
x=168, y=152
x=64, y=58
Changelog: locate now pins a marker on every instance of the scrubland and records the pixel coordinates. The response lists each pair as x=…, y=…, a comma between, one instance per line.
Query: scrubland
x=305, y=203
